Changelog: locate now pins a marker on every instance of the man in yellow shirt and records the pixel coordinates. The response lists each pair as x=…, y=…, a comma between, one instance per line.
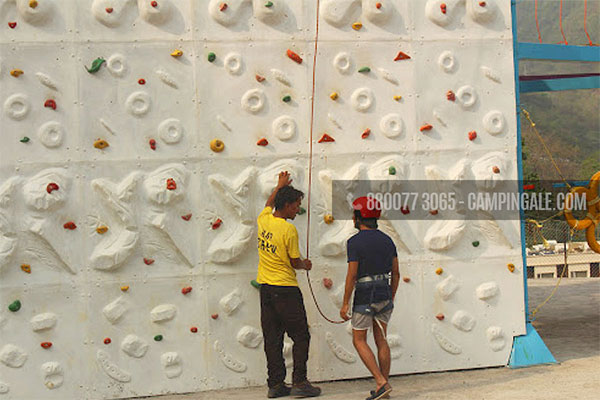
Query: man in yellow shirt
x=281, y=303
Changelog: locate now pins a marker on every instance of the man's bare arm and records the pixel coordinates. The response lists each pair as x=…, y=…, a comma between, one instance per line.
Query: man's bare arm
x=298, y=263
x=350, y=280
x=284, y=180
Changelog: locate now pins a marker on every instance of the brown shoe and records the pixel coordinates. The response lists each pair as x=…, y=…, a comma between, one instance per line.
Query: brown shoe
x=280, y=390
x=305, y=389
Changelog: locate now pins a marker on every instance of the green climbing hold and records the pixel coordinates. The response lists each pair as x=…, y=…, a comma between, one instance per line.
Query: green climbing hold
x=392, y=170
x=158, y=338
x=255, y=284
x=15, y=306
x=24, y=140
x=212, y=57
x=302, y=211
x=365, y=69
x=475, y=243
x=287, y=98
x=96, y=64
x=269, y=4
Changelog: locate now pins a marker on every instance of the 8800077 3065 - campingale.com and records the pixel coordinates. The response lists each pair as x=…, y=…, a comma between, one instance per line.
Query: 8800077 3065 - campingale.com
x=512, y=201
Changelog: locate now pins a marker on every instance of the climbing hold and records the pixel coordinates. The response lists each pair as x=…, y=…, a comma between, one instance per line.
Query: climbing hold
x=46, y=345
x=16, y=72
x=171, y=185
x=402, y=56
x=475, y=243
x=70, y=225
x=433, y=212
x=217, y=146
x=214, y=316
x=12, y=25
x=152, y=144
x=259, y=78
x=328, y=218
x=26, y=268
x=326, y=138
x=482, y=3
x=328, y=283
x=109, y=10
x=107, y=340
x=255, y=284
x=333, y=96
x=426, y=127
x=269, y=4
x=495, y=169
x=96, y=64
x=193, y=329
x=406, y=279
x=443, y=8
x=158, y=338
x=148, y=261
x=356, y=26
x=211, y=57
x=154, y=4
x=262, y=142
x=294, y=56
x=404, y=210
x=392, y=170
x=287, y=98
x=186, y=290
x=439, y=271
x=472, y=135
x=364, y=70
x=101, y=144
x=142, y=81
x=365, y=133
x=176, y=53
x=15, y=306
x=124, y=288
x=450, y=95
x=101, y=230
x=378, y=5
x=302, y=211
x=397, y=98
x=33, y=3
x=511, y=267
x=50, y=104
x=24, y=139
x=51, y=187
x=186, y=217
x=223, y=7
x=217, y=223
x=440, y=316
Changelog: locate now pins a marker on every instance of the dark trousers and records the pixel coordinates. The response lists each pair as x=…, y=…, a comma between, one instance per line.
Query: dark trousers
x=282, y=310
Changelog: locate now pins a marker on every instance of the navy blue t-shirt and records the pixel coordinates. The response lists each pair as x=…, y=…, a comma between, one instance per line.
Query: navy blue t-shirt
x=374, y=251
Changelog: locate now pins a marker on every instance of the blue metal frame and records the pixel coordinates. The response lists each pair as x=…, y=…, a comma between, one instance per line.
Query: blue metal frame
x=552, y=85
x=556, y=52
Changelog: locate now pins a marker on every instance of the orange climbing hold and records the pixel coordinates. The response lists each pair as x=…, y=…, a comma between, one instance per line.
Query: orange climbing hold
x=109, y=10
x=223, y=7
x=439, y=271
x=426, y=127
x=186, y=290
x=101, y=230
x=495, y=169
x=406, y=279
x=294, y=56
x=472, y=135
x=482, y=4
x=378, y=5
x=262, y=142
x=511, y=267
x=26, y=268
x=148, y=261
x=443, y=8
x=326, y=138
x=50, y=104
x=214, y=316
x=217, y=223
x=16, y=72
x=433, y=212
x=450, y=95
x=171, y=185
x=440, y=316
x=51, y=187
x=124, y=288
x=402, y=56
x=70, y=225
x=328, y=283
x=365, y=133
x=46, y=345
x=186, y=217
x=259, y=78
x=328, y=219
x=101, y=144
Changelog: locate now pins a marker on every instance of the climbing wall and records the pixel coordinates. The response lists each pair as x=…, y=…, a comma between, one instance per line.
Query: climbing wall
x=141, y=138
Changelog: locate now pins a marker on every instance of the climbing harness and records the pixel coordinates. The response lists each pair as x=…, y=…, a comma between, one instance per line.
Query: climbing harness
x=372, y=283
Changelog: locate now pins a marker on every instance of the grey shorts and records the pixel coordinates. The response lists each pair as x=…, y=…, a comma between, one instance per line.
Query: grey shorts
x=363, y=322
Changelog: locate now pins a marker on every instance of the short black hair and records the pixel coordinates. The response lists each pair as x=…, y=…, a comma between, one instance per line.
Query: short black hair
x=368, y=222
x=286, y=195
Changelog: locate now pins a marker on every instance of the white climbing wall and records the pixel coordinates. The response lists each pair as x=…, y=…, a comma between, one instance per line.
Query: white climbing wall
x=101, y=244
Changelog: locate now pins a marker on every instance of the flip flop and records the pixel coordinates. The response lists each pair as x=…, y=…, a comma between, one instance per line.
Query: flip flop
x=380, y=393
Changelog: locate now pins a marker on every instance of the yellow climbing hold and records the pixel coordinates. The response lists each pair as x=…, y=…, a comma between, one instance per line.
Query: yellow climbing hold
x=124, y=288
x=16, y=72
x=397, y=98
x=177, y=53
x=356, y=26
x=217, y=145
x=439, y=271
x=102, y=229
x=511, y=267
x=328, y=218
x=101, y=144
x=333, y=96
x=26, y=268
x=33, y=3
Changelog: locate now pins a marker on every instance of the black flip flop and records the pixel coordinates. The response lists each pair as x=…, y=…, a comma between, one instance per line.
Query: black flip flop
x=376, y=395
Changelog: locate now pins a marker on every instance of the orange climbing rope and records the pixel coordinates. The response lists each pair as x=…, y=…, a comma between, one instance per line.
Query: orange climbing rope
x=590, y=43
x=310, y=156
x=537, y=23
x=560, y=24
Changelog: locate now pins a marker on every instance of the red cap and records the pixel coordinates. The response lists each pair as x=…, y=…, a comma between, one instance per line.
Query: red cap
x=369, y=207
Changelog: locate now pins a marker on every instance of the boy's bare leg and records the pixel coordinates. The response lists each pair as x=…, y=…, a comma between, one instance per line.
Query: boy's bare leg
x=383, y=349
x=359, y=339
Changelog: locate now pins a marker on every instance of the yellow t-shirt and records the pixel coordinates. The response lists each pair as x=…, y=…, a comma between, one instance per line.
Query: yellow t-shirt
x=277, y=243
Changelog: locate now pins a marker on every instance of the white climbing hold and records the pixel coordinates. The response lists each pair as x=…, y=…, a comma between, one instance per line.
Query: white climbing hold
x=167, y=78
x=46, y=81
x=467, y=96
x=115, y=310
x=16, y=107
x=111, y=368
x=494, y=122
x=163, y=312
x=249, y=337
x=491, y=74
x=445, y=343
x=138, y=103
x=362, y=99
x=223, y=122
x=134, y=346
x=334, y=120
x=51, y=134
x=447, y=62
x=487, y=290
x=391, y=125
x=4, y=388
x=495, y=336
x=53, y=374
x=387, y=75
x=116, y=65
x=12, y=356
x=43, y=321
x=437, y=114
x=284, y=128
x=171, y=363
x=253, y=100
x=228, y=360
x=342, y=62
x=170, y=131
x=281, y=76
x=233, y=63
x=448, y=286
x=231, y=302
x=337, y=349
x=463, y=320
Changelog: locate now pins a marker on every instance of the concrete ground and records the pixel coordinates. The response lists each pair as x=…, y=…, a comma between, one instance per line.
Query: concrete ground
x=569, y=324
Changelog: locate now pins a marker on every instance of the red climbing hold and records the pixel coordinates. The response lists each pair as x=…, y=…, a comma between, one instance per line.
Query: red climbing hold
x=12, y=25
x=450, y=95
x=107, y=340
x=46, y=345
x=154, y=4
x=214, y=316
x=109, y=9
x=406, y=279
x=51, y=187
x=472, y=135
x=294, y=56
x=366, y=133
x=482, y=4
x=495, y=169
x=440, y=316
x=433, y=212
x=378, y=5
x=70, y=225
x=50, y=104
x=217, y=223
x=142, y=81
x=326, y=138
x=186, y=217
x=223, y=7
x=259, y=78
x=426, y=127
x=262, y=142
x=443, y=8
x=402, y=56
x=328, y=283
x=171, y=185
x=404, y=210
x=148, y=261
x=193, y=329
x=186, y=290
x=152, y=144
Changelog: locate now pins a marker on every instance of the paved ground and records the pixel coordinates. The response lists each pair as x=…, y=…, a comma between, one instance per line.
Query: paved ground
x=569, y=325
